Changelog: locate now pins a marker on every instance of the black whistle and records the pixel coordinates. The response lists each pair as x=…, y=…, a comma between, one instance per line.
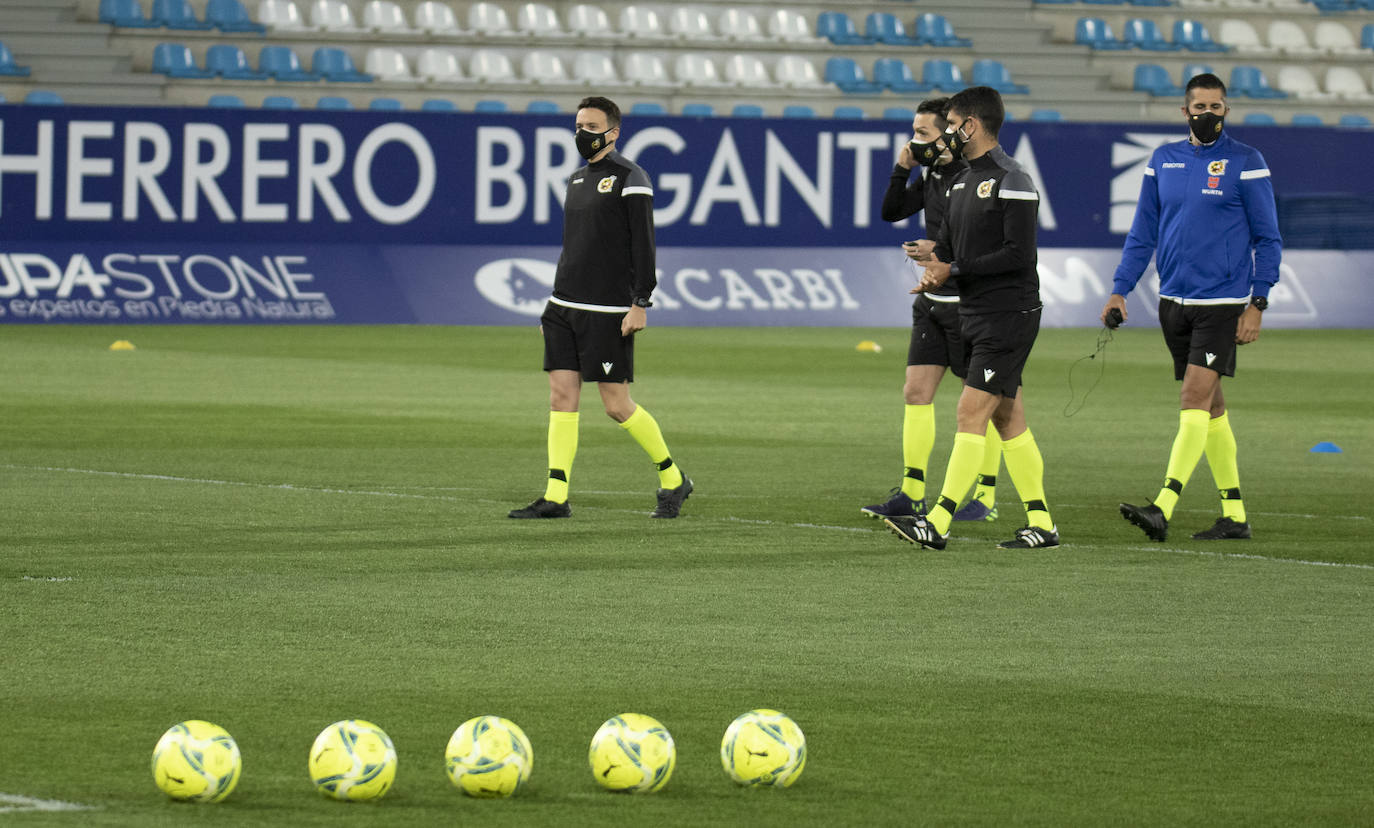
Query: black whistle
x=1114, y=318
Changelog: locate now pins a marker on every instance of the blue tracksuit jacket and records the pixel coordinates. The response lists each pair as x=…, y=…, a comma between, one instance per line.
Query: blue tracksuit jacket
x=1207, y=213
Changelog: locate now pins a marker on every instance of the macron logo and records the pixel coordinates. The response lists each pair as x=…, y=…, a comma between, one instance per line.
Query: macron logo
x=988, y=374
x=1210, y=357
x=606, y=367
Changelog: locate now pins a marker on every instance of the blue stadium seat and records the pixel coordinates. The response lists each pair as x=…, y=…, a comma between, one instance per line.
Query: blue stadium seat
x=747, y=111
x=175, y=61
x=385, y=105
x=1056, y=2
x=43, y=97
x=1096, y=34
x=542, y=108
x=1259, y=119
x=126, y=13
x=935, y=30
x=1105, y=2
x=886, y=28
x=851, y=113
x=279, y=102
x=229, y=62
x=1193, y=36
x=798, y=111
x=994, y=73
x=648, y=108
x=698, y=110
x=231, y=16
x=1144, y=33
x=1153, y=78
x=839, y=29
x=490, y=106
x=941, y=74
x=282, y=64
x=8, y=66
x=1155, y=3
x=225, y=102
x=438, y=105
x=1249, y=80
x=1192, y=70
x=333, y=102
x=896, y=75
x=1356, y=121
x=1308, y=120
x=1367, y=36
x=335, y=65
x=177, y=14
x=846, y=74
x=1046, y=115
x=899, y=113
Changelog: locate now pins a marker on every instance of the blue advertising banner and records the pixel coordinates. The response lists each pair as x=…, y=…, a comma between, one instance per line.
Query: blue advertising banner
x=201, y=215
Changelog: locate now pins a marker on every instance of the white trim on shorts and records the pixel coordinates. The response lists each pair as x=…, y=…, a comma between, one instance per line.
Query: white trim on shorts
x=935, y=297
x=593, y=308
x=1221, y=301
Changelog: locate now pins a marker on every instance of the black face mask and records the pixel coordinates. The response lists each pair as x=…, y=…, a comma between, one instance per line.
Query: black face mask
x=955, y=142
x=590, y=143
x=1206, y=127
x=928, y=154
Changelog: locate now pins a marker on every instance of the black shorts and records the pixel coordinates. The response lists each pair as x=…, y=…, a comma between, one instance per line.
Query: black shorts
x=998, y=345
x=588, y=342
x=1203, y=335
x=935, y=336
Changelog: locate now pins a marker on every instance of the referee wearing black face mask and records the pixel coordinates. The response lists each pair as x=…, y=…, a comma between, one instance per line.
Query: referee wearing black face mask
x=605, y=278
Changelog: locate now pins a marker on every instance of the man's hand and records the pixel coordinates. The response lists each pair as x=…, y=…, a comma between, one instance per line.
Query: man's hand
x=634, y=321
x=904, y=158
x=1248, y=328
x=936, y=274
x=922, y=250
x=1117, y=301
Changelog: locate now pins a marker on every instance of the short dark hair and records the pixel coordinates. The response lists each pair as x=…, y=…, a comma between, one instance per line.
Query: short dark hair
x=981, y=102
x=1204, y=81
x=606, y=105
x=939, y=107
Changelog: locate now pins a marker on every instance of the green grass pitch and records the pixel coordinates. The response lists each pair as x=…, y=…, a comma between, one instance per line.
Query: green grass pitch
x=277, y=528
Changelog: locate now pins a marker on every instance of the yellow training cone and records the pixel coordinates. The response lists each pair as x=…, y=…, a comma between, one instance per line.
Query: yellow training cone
x=869, y=345
x=122, y=345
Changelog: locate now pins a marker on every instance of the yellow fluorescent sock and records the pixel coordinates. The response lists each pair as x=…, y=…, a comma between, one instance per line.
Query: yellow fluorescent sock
x=918, y=438
x=562, y=449
x=1027, y=470
x=644, y=429
x=1189, y=444
x=1221, y=457
x=962, y=470
x=992, y=461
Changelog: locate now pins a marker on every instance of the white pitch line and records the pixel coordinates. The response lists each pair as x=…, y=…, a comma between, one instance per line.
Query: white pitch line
x=14, y=804
x=1203, y=553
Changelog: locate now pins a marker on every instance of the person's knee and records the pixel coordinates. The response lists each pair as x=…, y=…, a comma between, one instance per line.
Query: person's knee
x=915, y=394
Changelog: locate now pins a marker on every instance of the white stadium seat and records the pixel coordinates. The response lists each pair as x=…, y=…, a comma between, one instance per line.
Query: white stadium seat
x=695, y=69
x=439, y=66
x=594, y=68
x=491, y=66
x=544, y=69
x=1242, y=37
x=332, y=16
x=437, y=18
x=642, y=24
x=784, y=24
x=646, y=69
x=281, y=15
x=490, y=20
x=747, y=70
x=538, y=20
x=1334, y=38
x=1298, y=81
x=1346, y=83
x=388, y=65
x=797, y=72
x=739, y=24
x=386, y=17
x=690, y=24
x=1289, y=38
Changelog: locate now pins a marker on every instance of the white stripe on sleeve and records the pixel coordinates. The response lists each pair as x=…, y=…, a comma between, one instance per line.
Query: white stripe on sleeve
x=1248, y=174
x=1149, y=170
x=1019, y=195
x=648, y=191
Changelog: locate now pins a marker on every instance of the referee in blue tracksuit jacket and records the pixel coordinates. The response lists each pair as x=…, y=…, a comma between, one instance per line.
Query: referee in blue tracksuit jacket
x=1207, y=214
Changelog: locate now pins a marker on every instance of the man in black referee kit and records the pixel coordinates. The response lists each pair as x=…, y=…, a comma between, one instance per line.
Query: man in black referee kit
x=988, y=242
x=600, y=292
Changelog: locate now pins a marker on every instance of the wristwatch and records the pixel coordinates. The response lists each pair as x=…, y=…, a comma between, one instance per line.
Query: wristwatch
x=1261, y=303
x=643, y=302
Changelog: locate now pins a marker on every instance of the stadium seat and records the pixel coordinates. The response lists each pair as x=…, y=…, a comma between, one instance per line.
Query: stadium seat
x=8, y=67
x=899, y=113
x=229, y=62
x=1250, y=81
x=175, y=61
x=177, y=14
x=696, y=69
x=438, y=105
x=595, y=68
x=881, y=27
x=747, y=70
x=1144, y=34
x=1259, y=119
x=437, y=18
x=332, y=16
x=281, y=15
x=225, y=102
x=790, y=26
x=935, y=30
x=648, y=108
x=846, y=74
x=1335, y=39
x=489, y=20
x=126, y=13
x=1096, y=34
x=42, y=97
x=698, y=110
x=279, y=102
x=849, y=113
x=1308, y=120
x=490, y=106
x=538, y=20
x=1356, y=121
x=688, y=23
x=385, y=17
x=544, y=68
x=1154, y=79
x=231, y=16
x=739, y=25
x=542, y=108
x=438, y=66
x=639, y=23
x=335, y=65
x=1192, y=70
x=588, y=21
x=282, y=64
x=333, y=102
x=895, y=75
x=994, y=73
x=1046, y=115
x=1347, y=83
x=387, y=64
x=646, y=69
x=1194, y=37
x=491, y=66
x=1154, y=3
x=1289, y=38
x=1299, y=82
x=746, y=111
x=798, y=111
x=839, y=29
x=385, y=105
x=1105, y=2
x=942, y=74
x=796, y=72
x=1367, y=36
x=1242, y=37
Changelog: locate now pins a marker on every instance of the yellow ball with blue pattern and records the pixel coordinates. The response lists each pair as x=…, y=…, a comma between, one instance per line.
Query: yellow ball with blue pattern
x=353, y=760
x=489, y=757
x=763, y=748
x=197, y=761
x=632, y=753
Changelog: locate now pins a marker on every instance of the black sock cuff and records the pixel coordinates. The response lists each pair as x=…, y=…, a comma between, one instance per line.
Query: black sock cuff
x=988, y=480
x=1230, y=494
x=665, y=465
x=916, y=474
x=1036, y=506
x=1173, y=485
x=558, y=474
x=948, y=505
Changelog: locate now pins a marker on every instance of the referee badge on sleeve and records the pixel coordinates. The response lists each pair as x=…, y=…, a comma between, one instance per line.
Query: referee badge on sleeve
x=606, y=184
